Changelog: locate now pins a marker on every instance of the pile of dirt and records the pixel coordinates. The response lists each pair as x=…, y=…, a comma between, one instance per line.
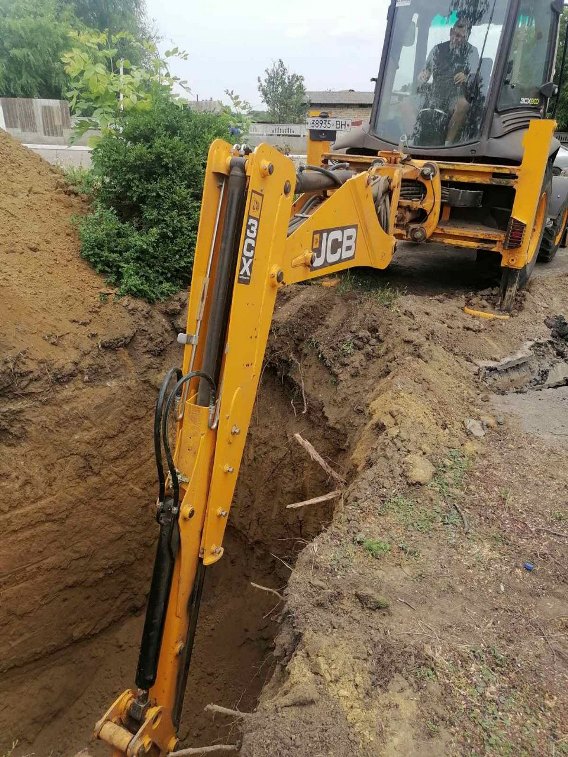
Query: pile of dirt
x=429, y=618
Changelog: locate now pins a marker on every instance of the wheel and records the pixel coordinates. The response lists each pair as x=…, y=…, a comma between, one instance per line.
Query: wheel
x=553, y=237
x=513, y=279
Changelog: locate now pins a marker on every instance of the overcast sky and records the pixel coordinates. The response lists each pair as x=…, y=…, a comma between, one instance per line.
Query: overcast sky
x=334, y=44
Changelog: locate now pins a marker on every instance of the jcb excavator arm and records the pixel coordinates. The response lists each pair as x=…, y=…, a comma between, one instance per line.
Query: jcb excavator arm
x=255, y=237
x=247, y=248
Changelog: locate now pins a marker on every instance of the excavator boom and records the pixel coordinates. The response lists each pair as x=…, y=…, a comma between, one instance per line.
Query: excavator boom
x=262, y=226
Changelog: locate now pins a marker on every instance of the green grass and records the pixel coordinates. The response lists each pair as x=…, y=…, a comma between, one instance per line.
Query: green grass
x=412, y=516
x=450, y=476
x=376, y=547
x=370, y=283
x=425, y=673
x=347, y=348
x=81, y=179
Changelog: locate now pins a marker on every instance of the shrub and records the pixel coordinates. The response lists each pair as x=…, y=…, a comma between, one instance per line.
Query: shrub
x=142, y=231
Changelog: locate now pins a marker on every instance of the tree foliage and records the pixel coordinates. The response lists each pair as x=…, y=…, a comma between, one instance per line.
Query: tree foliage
x=239, y=113
x=284, y=93
x=562, y=110
x=36, y=34
x=142, y=232
x=112, y=15
x=104, y=85
x=33, y=36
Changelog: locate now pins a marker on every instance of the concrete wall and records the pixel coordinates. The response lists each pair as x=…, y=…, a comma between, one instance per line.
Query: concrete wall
x=63, y=155
x=36, y=121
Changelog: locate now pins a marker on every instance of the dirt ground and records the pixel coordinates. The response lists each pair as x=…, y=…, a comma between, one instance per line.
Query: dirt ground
x=424, y=610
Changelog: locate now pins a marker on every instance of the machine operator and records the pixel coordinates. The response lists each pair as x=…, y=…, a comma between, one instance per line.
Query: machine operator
x=449, y=64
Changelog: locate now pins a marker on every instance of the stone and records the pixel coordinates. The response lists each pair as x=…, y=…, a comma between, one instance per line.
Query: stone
x=557, y=376
x=418, y=469
x=475, y=428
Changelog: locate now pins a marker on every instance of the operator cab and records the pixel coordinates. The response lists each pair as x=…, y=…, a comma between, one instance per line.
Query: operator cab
x=462, y=77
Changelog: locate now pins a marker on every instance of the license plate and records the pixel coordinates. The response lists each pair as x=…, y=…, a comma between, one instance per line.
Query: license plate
x=329, y=124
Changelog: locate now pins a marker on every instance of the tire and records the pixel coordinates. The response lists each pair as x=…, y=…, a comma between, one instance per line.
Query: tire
x=553, y=237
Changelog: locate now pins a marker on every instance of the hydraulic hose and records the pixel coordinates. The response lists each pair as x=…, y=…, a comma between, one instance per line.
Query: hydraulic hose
x=168, y=538
x=314, y=178
x=158, y=429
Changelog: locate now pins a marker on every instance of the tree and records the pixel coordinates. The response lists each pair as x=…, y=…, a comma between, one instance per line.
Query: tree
x=239, y=116
x=562, y=110
x=284, y=93
x=121, y=21
x=112, y=15
x=36, y=34
x=104, y=86
x=33, y=37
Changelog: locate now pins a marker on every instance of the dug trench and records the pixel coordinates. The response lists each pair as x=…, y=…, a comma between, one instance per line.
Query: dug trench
x=53, y=702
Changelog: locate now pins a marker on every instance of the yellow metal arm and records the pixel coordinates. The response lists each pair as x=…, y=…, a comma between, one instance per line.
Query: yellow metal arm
x=344, y=231
x=255, y=237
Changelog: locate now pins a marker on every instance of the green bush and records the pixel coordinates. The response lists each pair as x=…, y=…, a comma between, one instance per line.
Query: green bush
x=142, y=231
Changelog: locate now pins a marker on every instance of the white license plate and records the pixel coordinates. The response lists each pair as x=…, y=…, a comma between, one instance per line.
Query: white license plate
x=329, y=124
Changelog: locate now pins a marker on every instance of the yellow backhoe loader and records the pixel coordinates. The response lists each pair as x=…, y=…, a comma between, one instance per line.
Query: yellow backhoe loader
x=457, y=151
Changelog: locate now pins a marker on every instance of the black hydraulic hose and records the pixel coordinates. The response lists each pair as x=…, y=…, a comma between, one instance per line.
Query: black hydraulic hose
x=158, y=429
x=193, y=612
x=324, y=171
x=314, y=179
x=299, y=218
x=226, y=265
x=166, y=550
x=164, y=431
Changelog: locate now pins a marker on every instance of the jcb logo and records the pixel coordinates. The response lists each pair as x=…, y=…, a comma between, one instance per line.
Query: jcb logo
x=251, y=233
x=331, y=246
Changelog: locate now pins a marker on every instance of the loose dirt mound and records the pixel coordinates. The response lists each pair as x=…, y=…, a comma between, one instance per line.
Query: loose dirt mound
x=429, y=618
x=77, y=378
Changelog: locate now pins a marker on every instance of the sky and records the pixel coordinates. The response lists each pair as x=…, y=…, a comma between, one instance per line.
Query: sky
x=334, y=44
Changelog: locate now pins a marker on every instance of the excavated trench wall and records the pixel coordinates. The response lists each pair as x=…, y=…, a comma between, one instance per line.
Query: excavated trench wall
x=78, y=377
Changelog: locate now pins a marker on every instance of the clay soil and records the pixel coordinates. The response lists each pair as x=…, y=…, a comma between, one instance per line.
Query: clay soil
x=424, y=610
